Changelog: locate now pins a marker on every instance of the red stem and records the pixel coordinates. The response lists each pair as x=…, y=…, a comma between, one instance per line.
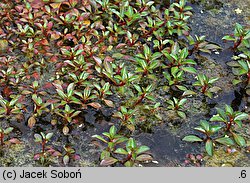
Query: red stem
x=238, y=42
x=2, y=136
x=140, y=99
x=43, y=146
x=229, y=124
x=204, y=88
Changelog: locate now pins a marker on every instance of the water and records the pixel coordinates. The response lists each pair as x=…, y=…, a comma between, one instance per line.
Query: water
x=163, y=139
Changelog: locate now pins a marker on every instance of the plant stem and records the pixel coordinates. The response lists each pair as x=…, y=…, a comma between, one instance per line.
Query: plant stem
x=2, y=137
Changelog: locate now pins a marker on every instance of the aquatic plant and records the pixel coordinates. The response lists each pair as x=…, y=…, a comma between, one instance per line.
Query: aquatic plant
x=46, y=151
x=67, y=115
x=4, y=132
x=178, y=58
x=177, y=105
x=69, y=154
x=240, y=37
x=10, y=106
x=199, y=43
x=241, y=68
x=206, y=85
x=68, y=96
x=133, y=153
x=223, y=134
x=208, y=130
x=126, y=115
x=231, y=119
x=118, y=60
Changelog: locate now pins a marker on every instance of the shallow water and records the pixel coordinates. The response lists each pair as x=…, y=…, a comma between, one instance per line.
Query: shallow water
x=164, y=139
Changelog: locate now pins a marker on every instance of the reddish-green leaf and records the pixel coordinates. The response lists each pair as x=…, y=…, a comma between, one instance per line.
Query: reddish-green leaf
x=209, y=147
x=108, y=161
x=192, y=138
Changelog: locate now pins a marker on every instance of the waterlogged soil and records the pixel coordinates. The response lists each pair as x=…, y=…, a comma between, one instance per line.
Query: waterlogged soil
x=214, y=20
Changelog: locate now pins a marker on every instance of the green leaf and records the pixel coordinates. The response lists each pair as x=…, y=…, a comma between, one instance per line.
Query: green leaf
x=131, y=143
x=121, y=151
x=189, y=61
x=182, y=114
x=100, y=138
x=8, y=130
x=212, y=80
x=205, y=125
x=61, y=93
x=14, y=100
x=239, y=140
x=238, y=122
x=48, y=136
x=225, y=141
x=182, y=88
x=228, y=38
x=190, y=70
x=129, y=163
x=104, y=154
x=215, y=128
x=200, y=129
x=112, y=131
x=242, y=116
x=209, y=147
x=156, y=55
x=117, y=55
x=229, y=109
x=236, y=81
x=146, y=49
x=70, y=89
x=38, y=138
x=43, y=135
x=222, y=113
x=76, y=113
x=120, y=139
x=65, y=159
x=209, y=94
x=124, y=109
x=142, y=149
x=188, y=92
x=192, y=138
x=182, y=101
x=217, y=118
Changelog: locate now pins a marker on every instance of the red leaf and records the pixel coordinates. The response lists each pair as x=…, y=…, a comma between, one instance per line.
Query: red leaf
x=55, y=5
x=109, y=103
x=7, y=91
x=120, y=45
x=95, y=105
x=31, y=121
x=37, y=156
x=50, y=25
x=53, y=59
x=52, y=101
x=47, y=85
x=14, y=141
x=108, y=59
x=44, y=42
x=56, y=153
x=108, y=161
x=37, y=4
x=36, y=75
x=19, y=8
x=55, y=35
x=76, y=157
